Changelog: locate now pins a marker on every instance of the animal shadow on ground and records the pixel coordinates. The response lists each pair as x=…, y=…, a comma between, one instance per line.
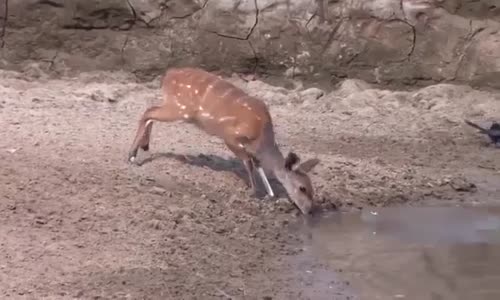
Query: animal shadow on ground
x=219, y=164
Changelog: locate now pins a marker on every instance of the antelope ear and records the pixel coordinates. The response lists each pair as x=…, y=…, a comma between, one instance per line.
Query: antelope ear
x=308, y=165
x=291, y=160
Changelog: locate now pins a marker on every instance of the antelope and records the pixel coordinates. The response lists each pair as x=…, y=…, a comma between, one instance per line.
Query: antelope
x=243, y=122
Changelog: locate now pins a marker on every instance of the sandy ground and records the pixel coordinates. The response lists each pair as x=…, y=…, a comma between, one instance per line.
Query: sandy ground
x=77, y=221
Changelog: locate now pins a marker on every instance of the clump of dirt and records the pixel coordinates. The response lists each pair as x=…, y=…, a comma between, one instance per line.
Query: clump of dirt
x=77, y=220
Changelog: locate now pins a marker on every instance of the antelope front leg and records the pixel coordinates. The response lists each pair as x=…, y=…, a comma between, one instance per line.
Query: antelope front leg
x=155, y=113
x=263, y=176
x=247, y=162
x=250, y=168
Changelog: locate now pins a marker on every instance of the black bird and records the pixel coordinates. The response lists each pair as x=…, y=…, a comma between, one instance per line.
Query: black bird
x=493, y=132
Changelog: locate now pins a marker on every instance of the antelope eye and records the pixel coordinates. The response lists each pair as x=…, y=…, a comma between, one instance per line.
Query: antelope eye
x=302, y=189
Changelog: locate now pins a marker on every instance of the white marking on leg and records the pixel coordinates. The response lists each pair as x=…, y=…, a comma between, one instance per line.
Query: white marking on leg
x=265, y=181
x=148, y=122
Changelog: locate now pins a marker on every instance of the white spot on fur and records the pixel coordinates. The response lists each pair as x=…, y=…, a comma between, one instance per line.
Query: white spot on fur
x=179, y=94
x=186, y=116
x=200, y=107
x=196, y=92
x=227, y=92
x=149, y=122
x=183, y=106
x=228, y=118
x=188, y=86
x=205, y=115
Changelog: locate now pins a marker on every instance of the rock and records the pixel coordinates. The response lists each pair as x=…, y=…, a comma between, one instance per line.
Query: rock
x=155, y=224
x=158, y=190
x=351, y=86
x=311, y=94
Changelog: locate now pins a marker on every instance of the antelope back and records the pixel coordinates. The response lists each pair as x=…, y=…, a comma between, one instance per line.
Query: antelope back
x=212, y=102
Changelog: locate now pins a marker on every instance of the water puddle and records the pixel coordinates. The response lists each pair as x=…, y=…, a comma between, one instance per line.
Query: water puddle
x=409, y=252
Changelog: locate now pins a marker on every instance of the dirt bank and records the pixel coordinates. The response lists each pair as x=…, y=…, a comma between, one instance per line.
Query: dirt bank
x=77, y=221
x=381, y=41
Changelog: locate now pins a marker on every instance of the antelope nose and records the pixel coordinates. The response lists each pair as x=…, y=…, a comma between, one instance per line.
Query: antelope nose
x=306, y=208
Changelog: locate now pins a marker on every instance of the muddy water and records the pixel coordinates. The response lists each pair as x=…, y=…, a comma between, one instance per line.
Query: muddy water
x=406, y=253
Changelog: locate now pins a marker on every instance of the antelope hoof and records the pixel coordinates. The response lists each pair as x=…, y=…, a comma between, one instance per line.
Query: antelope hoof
x=131, y=157
x=145, y=148
x=268, y=197
x=250, y=192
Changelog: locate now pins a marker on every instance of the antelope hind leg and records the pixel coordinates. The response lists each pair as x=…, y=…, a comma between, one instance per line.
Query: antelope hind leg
x=144, y=143
x=155, y=113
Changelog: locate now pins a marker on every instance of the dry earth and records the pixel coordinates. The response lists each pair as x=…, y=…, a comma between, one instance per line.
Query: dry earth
x=77, y=221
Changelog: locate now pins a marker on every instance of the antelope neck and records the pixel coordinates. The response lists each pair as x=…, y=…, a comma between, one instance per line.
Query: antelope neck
x=272, y=159
x=269, y=154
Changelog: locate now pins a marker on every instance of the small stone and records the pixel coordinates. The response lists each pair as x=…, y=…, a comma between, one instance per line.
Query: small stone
x=79, y=294
x=283, y=201
x=158, y=190
x=155, y=224
x=461, y=185
x=311, y=94
x=40, y=220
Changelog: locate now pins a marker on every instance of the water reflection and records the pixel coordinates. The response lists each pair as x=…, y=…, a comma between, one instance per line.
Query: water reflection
x=413, y=253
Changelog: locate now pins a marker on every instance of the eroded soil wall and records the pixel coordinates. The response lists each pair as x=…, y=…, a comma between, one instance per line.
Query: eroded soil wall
x=383, y=41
